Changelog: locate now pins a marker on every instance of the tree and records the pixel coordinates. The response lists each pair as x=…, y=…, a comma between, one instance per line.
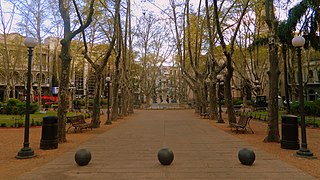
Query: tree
x=33, y=23
x=69, y=34
x=214, y=69
x=99, y=64
x=228, y=54
x=189, y=37
x=308, y=14
x=252, y=65
x=128, y=60
x=152, y=35
x=273, y=74
x=8, y=62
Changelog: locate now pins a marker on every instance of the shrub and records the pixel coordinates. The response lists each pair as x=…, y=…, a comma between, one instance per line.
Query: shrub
x=237, y=102
x=20, y=124
x=38, y=123
x=32, y=122
x=309, y=108
x=12, y=102
x=34, y=108
x=10, y=108
x=3, y=125
x=79, y=102
x=104, y=102
x=21, y=106
x=91, y=101
x=1, y=108
x=295, y=107
x=317, y=107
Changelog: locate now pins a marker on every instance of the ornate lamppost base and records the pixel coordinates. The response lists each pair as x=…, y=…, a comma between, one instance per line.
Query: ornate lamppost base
x=25, y=152
x=304, y=152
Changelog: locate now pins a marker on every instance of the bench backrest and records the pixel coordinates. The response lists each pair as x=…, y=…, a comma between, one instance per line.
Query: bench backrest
x=78, y=119
x=243, y=120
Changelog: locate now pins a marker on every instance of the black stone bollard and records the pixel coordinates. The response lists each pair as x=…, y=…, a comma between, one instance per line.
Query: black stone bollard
x=165, y=156
x=246, y=156
x=82, y=157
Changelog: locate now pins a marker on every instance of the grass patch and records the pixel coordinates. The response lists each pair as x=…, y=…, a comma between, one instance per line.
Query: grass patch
x=263, y=115
x=35, y=119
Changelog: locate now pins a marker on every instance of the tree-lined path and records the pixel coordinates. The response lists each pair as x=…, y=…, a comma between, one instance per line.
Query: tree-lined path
x=129, y=151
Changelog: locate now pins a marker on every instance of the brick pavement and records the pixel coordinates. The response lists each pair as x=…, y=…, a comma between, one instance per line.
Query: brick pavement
x=129, y=151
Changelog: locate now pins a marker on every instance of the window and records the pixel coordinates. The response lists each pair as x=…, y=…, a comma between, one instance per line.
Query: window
x=310, y=75
x=16, y=78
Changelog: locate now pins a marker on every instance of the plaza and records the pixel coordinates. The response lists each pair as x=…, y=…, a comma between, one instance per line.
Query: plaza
x=203, y=149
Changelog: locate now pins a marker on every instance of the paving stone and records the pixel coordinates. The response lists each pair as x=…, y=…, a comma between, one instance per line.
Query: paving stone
x=129, y=151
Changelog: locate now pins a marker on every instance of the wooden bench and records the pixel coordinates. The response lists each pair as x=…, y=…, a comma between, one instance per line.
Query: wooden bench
x=237, y=108
x=242, y=124
x=205, y=115
x=78, y=123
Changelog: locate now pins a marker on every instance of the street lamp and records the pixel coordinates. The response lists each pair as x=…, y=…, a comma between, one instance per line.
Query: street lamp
x=257, y=84
x=120, y=103
x=298, y=42
x=108, y=80
x=220, y=82
x=72, y=88
x=26, y=151
x=233, y=88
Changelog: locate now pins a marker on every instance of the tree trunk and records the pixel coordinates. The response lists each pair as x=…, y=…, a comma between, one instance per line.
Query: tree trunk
x=115, y=94
x=115, y=102
x=228, y=92
x=196, y=93
x=97, y=98
x=284, y=50
x=273, y=73
x=63, y=90
x=65, y=64
x=213, y=113
x=7, y=92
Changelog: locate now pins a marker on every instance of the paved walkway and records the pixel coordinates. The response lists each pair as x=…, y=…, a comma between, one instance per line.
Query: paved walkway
x=129, y=151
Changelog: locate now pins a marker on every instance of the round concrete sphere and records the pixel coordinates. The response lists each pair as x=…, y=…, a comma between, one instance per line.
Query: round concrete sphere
x=246, y=156
x=82, y=157
x=165, y=156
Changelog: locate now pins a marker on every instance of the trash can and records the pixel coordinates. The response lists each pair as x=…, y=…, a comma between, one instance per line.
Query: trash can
x=289, y=132
x=49, y=136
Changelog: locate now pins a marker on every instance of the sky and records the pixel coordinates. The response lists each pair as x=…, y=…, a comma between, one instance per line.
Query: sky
x=142, y=5
x=155, y=6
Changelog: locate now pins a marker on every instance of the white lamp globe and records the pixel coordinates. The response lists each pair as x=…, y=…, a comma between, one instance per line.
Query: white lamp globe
x=298, y=41
x=30, y=42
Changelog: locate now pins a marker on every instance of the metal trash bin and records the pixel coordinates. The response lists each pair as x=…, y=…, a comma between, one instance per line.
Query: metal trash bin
x=289, y=132
x=49, y=136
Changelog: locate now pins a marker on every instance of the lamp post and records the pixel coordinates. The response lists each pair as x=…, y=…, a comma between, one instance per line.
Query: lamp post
x=220, y=81
x=72, y=88
x=120, y=115
x=108, y=80
x=298, y=42
x=257, y=84
x=233, y=89
x=26, y=151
